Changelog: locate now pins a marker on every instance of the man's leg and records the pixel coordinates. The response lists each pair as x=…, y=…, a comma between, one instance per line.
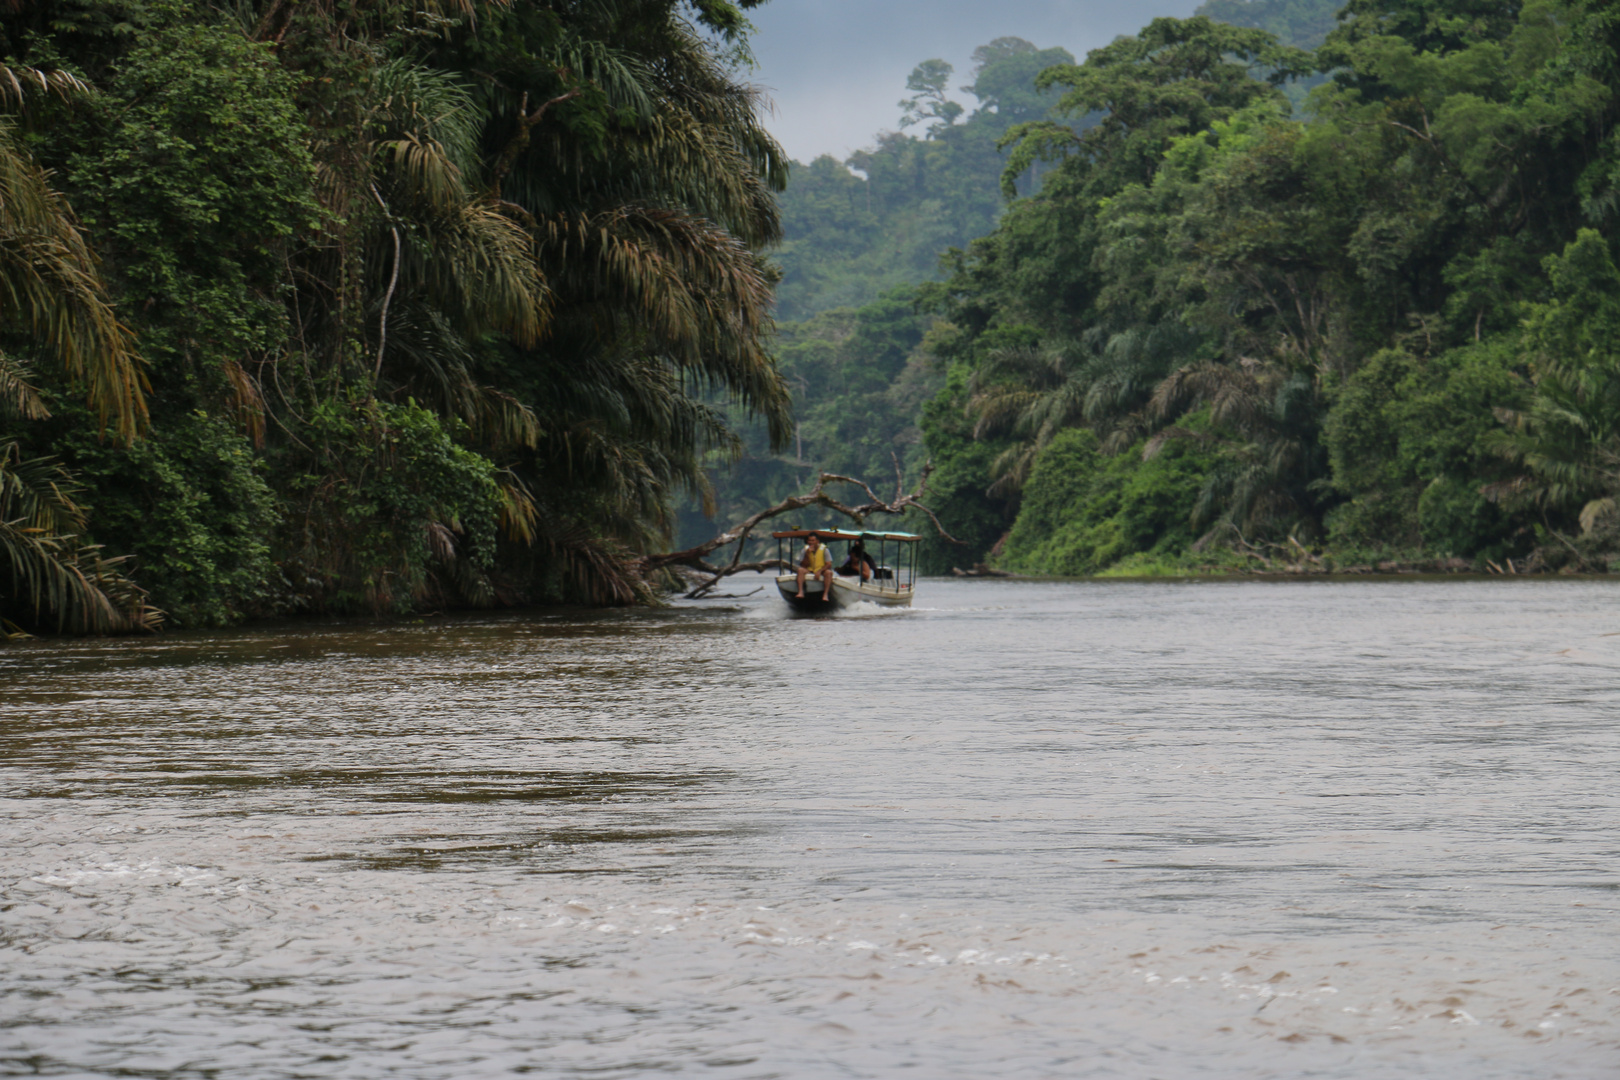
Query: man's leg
x=801, y=582
x=826, y=585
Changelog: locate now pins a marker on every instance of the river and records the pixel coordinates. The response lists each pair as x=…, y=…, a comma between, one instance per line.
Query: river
x=1163, y=830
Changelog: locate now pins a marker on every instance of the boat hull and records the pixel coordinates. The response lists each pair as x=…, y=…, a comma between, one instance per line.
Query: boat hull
x=845, y=592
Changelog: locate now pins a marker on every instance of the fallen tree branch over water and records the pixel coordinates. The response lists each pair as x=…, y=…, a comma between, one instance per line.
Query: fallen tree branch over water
x=697, y=558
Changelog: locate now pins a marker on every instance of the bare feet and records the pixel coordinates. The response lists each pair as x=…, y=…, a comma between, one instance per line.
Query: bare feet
x=798, y=596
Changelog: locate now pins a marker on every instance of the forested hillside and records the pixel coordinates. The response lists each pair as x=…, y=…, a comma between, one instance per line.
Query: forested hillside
x=865, y=231
x=857, y=236
x=855, y=229
x=366, y=307
x=1375, y=330
x=371, y=308
x=1304, y=24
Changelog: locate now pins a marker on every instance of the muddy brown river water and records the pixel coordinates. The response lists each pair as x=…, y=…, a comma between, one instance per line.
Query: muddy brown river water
x=1167, y=830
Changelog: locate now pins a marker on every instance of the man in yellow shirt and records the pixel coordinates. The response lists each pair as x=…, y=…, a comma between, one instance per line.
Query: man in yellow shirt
x=816, y=564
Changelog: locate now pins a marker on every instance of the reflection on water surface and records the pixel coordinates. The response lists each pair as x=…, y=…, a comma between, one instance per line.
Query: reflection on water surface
x=1337, y=829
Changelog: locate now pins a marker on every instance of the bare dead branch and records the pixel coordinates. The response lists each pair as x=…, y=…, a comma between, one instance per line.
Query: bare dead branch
x=695, y=558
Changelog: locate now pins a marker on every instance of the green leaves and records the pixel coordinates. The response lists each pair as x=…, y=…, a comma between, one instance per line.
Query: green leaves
x=50, y=289
x=1084, y=511
x=1175, y=77
x=57, y=578
x=1349, y=286
x=191, y=506
x=931, y=80
x=399, y=515
x=1568, y=440
x=376, y=237
x=1412, y=442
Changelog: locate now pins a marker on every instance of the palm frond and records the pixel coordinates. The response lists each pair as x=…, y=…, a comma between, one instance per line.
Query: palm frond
x=427, y=107
x=49, y=284
x=598, y=568
x=17, y=396
x=60, y=579
x=520, y=517
x=431, y=361
x=702, y=296
x=1567, y=441
x=16, y=83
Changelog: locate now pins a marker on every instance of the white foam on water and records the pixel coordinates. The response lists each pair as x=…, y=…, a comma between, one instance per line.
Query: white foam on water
x=866, y=609
x=112, y=873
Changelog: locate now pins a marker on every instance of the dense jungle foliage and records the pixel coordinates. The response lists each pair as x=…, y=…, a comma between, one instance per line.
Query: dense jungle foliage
x=1370, y=330
x=857, y=235
x=363, y=307
x=360, y=306
x=1302, y=285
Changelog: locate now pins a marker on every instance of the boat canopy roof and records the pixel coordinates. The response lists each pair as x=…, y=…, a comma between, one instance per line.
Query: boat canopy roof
x=845, y=534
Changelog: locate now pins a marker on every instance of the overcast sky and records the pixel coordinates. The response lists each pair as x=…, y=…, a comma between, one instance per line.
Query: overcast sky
x=837, y=68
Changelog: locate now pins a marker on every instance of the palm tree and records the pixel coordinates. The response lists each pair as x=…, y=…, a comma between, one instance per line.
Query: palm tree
x=557, y=246
x=58, y=577
x=1263, y=419
x=1032, y=394
x=653, y=238
x=648, y=239
x=50, y=289
x=49, y=284
x=1568, y=441
x=544, y=223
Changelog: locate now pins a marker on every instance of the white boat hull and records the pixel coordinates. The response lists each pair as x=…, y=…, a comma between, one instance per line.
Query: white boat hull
x=846, y=591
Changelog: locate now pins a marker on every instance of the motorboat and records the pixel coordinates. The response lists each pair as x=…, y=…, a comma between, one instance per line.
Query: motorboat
x=891, y=582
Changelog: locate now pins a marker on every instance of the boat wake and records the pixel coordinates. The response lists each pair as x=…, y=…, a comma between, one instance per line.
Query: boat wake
x=865, y=609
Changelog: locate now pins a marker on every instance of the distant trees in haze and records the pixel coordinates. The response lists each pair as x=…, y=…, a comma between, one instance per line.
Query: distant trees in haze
x=858, y=234
x=882, y=218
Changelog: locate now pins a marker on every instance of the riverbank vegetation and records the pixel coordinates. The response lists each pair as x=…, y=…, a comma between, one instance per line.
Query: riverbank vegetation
x=1369, y=330
x=1304, y=285
x=360, y=307
x=370, y=307
x=859, y=236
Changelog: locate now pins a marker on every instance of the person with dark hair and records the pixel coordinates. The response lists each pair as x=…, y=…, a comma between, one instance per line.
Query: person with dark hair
x=858, y=562
x=816, y=564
